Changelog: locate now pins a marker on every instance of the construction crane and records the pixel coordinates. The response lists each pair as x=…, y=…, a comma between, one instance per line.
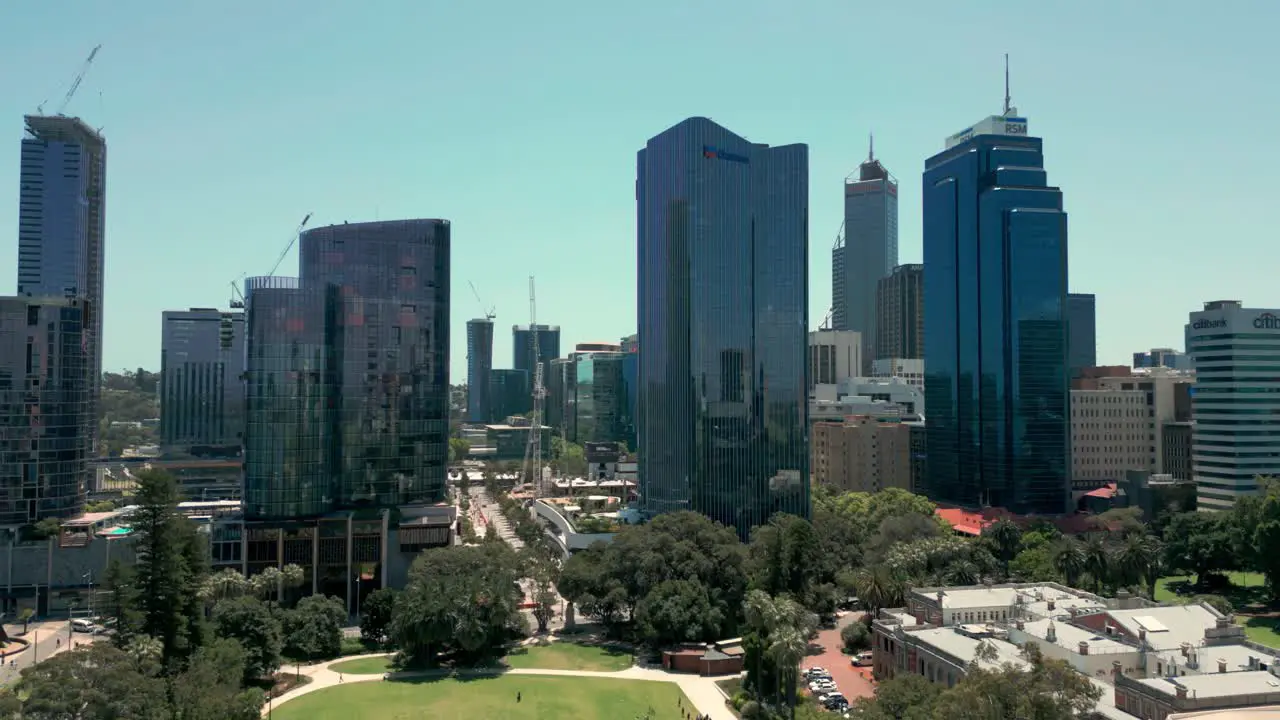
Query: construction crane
x=826, y=321
x=533, y=449
x=489, y=314
x=75, y=85
x=292, y=240
x=237, y=297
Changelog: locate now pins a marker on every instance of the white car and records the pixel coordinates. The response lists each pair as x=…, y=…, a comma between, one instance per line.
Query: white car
x=814, y=671
x=819, y=688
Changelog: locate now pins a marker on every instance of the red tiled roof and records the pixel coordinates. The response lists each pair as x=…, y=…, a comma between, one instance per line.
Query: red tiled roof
x=1107, y=492
x=972, y=522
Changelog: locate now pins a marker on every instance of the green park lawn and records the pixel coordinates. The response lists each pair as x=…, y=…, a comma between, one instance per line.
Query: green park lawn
x=569, y=656
x=489, y=697
x=1249, y=597
x=364, y=665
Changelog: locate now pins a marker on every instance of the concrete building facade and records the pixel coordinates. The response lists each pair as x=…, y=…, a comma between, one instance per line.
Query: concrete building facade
x=862, y=454
x=834, y=356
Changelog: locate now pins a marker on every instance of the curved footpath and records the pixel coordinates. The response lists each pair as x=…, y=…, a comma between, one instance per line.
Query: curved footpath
x=701, y=691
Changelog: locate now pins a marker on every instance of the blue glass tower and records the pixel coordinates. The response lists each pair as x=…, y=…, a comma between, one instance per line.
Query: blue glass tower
x=995, y=300
x=722, y=270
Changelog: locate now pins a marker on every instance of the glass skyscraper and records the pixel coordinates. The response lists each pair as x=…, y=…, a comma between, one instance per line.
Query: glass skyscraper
x=864, y=254
x=722, y=251
x=479, y=365
x=1082, y=336
x=995, y=294
x=44, y=408
x=61, y=226
x=201, y=389
x=347, y=366
x=522, y=348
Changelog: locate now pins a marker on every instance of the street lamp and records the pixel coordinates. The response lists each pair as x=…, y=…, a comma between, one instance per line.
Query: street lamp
x=89, y=576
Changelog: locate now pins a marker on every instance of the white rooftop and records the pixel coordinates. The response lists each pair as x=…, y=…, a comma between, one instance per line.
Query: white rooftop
x=1167, y=626
x=1033, y=597
x=963, y=647
x=1212, y=685
x=1070, y=637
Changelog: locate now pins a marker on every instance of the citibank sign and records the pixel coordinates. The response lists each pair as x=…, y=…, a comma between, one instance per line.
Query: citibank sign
x=1267, y=321
x=1208, y=324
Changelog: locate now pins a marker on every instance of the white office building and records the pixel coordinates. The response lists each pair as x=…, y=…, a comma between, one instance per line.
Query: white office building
x=911, y=370
x=834, y=356
x=1235, y=402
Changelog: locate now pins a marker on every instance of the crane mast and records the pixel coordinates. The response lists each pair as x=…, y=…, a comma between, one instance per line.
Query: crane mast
x=533, y=449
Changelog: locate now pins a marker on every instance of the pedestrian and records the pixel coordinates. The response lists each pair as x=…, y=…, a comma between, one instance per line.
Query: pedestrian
x=339, y=677
x=518, y=696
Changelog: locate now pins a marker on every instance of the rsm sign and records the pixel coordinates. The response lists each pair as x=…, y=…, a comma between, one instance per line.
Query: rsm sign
x=714, y=153
x=994, y=125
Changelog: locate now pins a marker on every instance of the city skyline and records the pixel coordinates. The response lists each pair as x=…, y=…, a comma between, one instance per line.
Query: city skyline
x=227, y=207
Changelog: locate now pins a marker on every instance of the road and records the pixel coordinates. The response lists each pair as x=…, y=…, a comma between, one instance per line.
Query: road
x=48, y=638
x=853, y=682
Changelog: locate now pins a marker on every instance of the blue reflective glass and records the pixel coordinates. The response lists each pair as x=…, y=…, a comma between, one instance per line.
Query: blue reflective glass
x=722, y=275
x=995, y=287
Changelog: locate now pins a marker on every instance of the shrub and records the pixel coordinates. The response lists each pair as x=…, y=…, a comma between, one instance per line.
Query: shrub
x=751, y=710
x=739, y=699
x=855, y=637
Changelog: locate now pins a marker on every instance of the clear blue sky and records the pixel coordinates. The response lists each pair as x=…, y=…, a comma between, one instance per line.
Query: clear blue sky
x=519, y=121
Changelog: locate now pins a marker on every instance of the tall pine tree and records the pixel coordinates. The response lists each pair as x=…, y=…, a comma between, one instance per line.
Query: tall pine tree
x=170, y=568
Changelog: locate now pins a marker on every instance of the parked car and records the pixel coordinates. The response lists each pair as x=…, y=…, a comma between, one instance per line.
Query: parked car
x=862, y=659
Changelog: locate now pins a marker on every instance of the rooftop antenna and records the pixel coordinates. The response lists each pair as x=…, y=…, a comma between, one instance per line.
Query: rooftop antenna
x=871, y=149
x=1009, y=109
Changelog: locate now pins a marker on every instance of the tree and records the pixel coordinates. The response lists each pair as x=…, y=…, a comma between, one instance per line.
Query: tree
x=462, y=600
x=1069, y=560
x=25, y=616
x=168, y=568
x=1098, y=561
x=274, y=582
x=607, y=582
x=780, y=631
x=878, y=588
x=855, y=637
x=209, y=689
x=376, y=612
x=677, y=611
x=568, y=458
x=459, y=449
x=224, y=585
x=258, y=630
x=1199, y=543
x=785, y=556
x=122, y=602
x=1046, y=689
x=94, y=682
x=906, y=696
x=313, y=630
x=1005, y=540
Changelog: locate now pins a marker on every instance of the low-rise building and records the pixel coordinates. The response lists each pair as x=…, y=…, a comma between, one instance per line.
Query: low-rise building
x=1150, y=661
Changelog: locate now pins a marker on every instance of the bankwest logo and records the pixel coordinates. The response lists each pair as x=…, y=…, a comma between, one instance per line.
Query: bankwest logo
x=1267, y=321
x=712, y=153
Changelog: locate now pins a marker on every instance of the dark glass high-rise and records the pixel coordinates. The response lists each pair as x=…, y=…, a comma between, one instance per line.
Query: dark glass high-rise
x=349, y=363
x=995, y=293
x=722, y=255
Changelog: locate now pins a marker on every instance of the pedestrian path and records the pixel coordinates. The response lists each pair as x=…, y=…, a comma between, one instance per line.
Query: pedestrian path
x=701, y=691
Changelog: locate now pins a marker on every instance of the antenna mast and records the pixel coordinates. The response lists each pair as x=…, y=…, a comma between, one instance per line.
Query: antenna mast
x=871, y=148
x=1009, y=109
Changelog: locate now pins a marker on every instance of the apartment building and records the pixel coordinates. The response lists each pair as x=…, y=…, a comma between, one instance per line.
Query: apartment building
x=862, y=454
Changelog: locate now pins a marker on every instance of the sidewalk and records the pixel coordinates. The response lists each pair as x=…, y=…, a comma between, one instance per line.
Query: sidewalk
x=46, y=639
x=701, y=691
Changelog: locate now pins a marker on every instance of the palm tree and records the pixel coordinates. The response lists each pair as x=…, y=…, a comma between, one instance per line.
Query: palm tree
x=878, y=588
x=1098, y=561
x=788, y=646
x=963, y=572
x=1069, y=561
x=1006, y=538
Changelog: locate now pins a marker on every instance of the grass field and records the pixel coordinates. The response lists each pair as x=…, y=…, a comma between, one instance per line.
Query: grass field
x=363, y=666
x=542, y=698
x=569, y=656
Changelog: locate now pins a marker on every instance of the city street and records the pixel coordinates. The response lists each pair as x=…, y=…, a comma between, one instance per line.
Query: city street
x=48, y=638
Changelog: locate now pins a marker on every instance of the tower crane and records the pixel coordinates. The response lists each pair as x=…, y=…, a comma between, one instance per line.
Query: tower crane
x=533, y=449
x=489, y=313
x=826, y=321
x=237, y=297
x=75, y=85
x=292, y=240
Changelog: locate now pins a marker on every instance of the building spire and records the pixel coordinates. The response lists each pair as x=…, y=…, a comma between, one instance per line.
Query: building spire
x=1008, y=106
